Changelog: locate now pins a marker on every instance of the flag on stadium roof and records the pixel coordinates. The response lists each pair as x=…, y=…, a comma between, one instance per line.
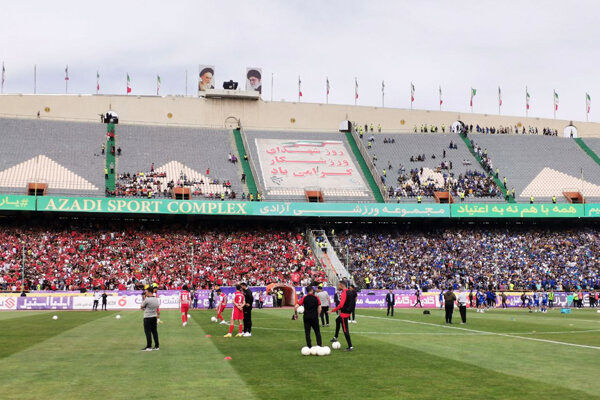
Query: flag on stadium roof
x=355, y=90
x=67, y=73
x=412, y=92
x=299, y=88
x=588, y=103
x=527, y=98
x=473, y=93
x=97, y=81
x=3, y=76
x=158, y=82
x=128, y=84
x=499, y=97
x=441, y=100
x=555, y=101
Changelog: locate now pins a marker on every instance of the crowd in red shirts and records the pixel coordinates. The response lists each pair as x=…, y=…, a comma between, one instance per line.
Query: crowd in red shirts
x=128, y=256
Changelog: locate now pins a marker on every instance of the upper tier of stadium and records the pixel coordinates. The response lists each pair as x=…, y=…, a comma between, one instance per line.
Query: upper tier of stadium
x=291, y=147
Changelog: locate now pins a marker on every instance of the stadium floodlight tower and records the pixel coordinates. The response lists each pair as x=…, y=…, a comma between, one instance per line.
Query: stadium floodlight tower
x=110, y=119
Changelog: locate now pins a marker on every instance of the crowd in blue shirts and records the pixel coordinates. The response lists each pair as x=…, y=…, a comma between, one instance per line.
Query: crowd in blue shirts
x=476, y=257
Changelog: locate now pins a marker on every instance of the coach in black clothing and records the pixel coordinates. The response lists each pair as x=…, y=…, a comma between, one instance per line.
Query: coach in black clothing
x=390, y=300
x=312, y=309
x=248, y=300
x=449, y=299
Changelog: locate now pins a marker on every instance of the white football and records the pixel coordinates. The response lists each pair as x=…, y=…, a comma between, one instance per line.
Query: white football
x=336, y=345
x=188, y=315
x=327, y=350
x=321, y=351
x=213, y=319
x=314, y=350
x=598, y=311
x=118, y=316
x=305, y=351
x=301, y=310
x=55, y=317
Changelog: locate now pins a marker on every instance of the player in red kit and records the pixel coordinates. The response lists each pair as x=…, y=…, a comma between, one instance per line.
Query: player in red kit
x=237, y=314
x=221, y=305
x=184, y=302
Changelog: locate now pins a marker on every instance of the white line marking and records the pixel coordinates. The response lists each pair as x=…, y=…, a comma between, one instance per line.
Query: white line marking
x=483, y=333
x=488, y=333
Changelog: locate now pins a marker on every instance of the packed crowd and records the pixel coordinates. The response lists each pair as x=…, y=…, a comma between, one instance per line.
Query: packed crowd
x=477, y=257
x=127, y=257
x=156, y=184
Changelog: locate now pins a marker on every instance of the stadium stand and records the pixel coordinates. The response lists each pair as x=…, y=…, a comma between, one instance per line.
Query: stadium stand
x=542, y=167
x=68, y=156
x=129, y=255
x=419, y=164
x=333, y=190
x=477, y=257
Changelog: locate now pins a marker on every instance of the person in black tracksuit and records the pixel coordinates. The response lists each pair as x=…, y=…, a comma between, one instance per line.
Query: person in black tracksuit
x=248, y=300
x=312, y=309
x=390, y=300
x=355, y=295
x=347, y=304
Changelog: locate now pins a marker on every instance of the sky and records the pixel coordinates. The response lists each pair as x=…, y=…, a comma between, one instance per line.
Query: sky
x=458, y=45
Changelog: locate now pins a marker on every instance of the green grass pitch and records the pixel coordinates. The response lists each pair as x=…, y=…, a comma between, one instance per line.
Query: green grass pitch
x=497, y=355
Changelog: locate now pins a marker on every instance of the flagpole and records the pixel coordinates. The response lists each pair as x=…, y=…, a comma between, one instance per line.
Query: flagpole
x=411, y=96
x=526, y=102
x=271, y=86
x=382, y=94
x=186, y=80
x=554, y=103
x=67, y=80
x=34, y=78
x=355, y=90
x=440, y=97
x=299, y=89
x=3, y=73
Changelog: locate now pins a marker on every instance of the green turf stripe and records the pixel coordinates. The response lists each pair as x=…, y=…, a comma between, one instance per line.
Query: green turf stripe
x=250, y=179
x=500, y=184
x=18, y=334
x=365, y=169
x=583, y=145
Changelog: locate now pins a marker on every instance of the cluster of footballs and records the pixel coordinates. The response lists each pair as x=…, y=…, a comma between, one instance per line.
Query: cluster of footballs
x=318, y=350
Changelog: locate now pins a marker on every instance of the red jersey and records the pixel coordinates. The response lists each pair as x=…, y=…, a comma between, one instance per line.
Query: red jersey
x=239, y=299
x=184, y=296
x=222, y=299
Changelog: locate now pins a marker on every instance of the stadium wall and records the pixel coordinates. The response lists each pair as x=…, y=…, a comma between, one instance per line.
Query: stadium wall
x=255, y=114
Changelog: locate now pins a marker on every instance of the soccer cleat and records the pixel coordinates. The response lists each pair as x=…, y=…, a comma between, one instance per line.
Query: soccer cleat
x=156, y=349
x=184, y=324
x=239, y=335
x=349, y=349
x=247, y=334
x=146, y=349
x=333, y=340
x=227, y=335
x=326, y=324
x=224, y=322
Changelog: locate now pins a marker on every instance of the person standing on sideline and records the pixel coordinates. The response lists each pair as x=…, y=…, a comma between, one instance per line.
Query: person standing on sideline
x=211, y=299
x=184, y=304
x=462, y=306
x=323, y=297
x=261, y=299
x=390, y=300
x=441, y=299
x=336, y=299
x=104, y=300
x=551, y=298
x=312, y=309
x=345, y=309
x=151, y=316
x=237, y=314
x=503, y=297
x=449, y=299
x=195, y=297
x=248, y=300
x=471, y=298
x=418, y=294
x=96, y=301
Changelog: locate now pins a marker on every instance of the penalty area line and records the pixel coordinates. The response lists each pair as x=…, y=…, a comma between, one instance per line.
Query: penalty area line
x=584, y=346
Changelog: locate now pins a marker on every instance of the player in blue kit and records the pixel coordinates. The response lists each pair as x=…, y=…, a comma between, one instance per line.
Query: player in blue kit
x=536, y=301
x=544, y=302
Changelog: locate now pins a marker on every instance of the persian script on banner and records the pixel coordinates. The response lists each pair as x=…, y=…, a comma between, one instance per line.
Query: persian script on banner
x=298, y=164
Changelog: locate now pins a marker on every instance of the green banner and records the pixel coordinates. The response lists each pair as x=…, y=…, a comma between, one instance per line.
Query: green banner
x=592, y=210
x=366, y=210
x=191, y=207
x=516, y=210
x=17, y=202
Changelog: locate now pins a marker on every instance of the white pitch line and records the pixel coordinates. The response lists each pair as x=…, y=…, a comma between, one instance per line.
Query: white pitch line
x=482, y=333
x=488, y=333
